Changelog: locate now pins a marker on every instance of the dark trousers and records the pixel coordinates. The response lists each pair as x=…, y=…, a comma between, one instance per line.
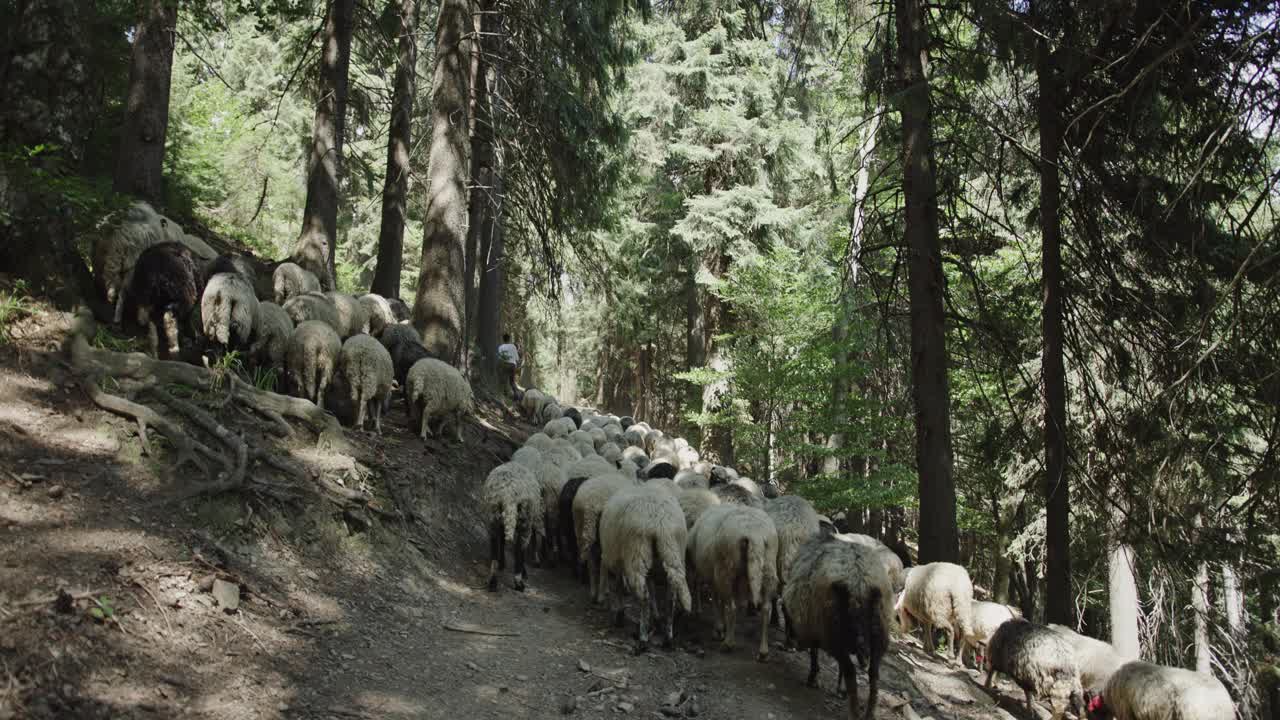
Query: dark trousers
x=508, y=372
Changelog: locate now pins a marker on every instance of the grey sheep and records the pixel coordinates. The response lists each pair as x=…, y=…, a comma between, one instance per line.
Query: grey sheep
x=588, y=504
x=558, y=427
x=796, y=522
x=512, y=502
x=738, y=494
x=1039, y=661
x=115, y=255
x=290, y=280
x=892, y=563
x=1145, y=691
x=398, y=333
x=378, y=310
x=227, y=310
x=562, y=453
x=642, y=541
x=437, y=392
x=311, y=358
x=551, y=478
x=352, y=317
x=938, y=595
x=692, y=479
x=539, y=440
x=527, y=456
x=367, y=367
x=313, y=306
x=987, y=618
x=734, y=549
x=399, y=309
x=271, y=332
x=1096, y=659
x=838, y=599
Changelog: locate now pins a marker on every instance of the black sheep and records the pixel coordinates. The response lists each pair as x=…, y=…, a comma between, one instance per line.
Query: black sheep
x=165, y=287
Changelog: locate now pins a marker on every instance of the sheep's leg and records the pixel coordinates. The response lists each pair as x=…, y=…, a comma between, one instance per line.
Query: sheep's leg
x=668, y=610
x=990, y=672
x=847, y=670
x=953, y=648
x=1027, y=695
x=549, y=548
x=457, y=427
x=790, y=637
x=377, y=416
x=766, y=612
x=521, y=572
x=730, y=610
x=361, y=403
x=593, y=574
x=646, y=616
x=502, y=552
x=613, y=589
x=873, y=684
x=426, y=426
x=812, y=680
x=495, y=553
x=929, y=645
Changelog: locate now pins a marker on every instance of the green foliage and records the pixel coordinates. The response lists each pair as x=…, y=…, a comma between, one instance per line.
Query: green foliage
x=15, y=305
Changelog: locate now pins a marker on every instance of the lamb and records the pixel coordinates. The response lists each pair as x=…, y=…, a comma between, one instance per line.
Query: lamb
x=311, y=358
x=271, y=331
x=838, y=599
x=1039, y=661
x=378, y=310
x=1144, y=691
x=352, y=317
x=739, y=494
x=164, y=288
x=290, y=280
x=598, y=437
x=116, y=255
x=987, y=618
x=796, y=522
x=530, y=457
x=582, y=442
x=892, y=563
x=436, y=391
x=576, y=473
x=588, y=504
x=512, y=500
x=626, y=421
x=688, y=457
x=939, y=595
x=367, y=367
x=642, y=539
x=313, y=306
x=629, y=469
x=228, y=309
x=559, y=427
x=1097, y=659
x=735, y=549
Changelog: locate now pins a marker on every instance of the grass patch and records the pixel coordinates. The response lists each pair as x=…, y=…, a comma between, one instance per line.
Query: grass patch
x=105, y=339
x=15, y=304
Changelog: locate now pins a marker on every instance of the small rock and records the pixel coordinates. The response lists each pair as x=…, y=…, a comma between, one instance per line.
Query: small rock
x=670, y=711
x=625, y=707
x=522, y=678
x=473, y=667
x=569, y=706
x=693, y=709
x=675, y=698
x=55, y=491
x=227, y=594
x=135, y=519
x=583, y=666
x=348, y=656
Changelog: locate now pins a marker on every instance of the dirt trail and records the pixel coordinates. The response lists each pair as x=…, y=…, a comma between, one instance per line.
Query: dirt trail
x=338, y=617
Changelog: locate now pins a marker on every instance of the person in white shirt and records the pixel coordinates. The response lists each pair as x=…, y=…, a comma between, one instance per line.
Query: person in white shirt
x=509, y=363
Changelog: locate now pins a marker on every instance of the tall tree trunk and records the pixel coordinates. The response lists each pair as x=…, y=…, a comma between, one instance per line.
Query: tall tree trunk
x=140, y=155
x=695, y=354
x=317, y=244
x=481, y=140
x=1233, y=600
x=846, y=302
x=1200, y=606
x=438, y=309
x=395, y=189
x=492, y=260
x=1122, y=596
x=717, y=318
x=1058, y=596
x=929, y=385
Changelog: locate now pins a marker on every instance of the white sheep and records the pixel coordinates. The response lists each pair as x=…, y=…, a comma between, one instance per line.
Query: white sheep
x=551, y=410
x=271, y=332
x=512, y=501
x=437, y=392
x=1144, y=691
x=610, y=452
x=589, y=466
x=559, y=427
x=735, y=549
x=692, y=479
x=796, y=522
x=1097, y=659
x=838, y=599
x=551, y=478
x=588, y=504
x=198, y=247
x=539, y=440
x=642, y=541
x=115, y=255
x=688, y=457
x=634, y=437
x=367, y=367
x=228, y=309
x=352, y=317
x=313, y=306
x=378, y=310
x=529, y=457
x=636, y=456
x=694, y=502
x=531, y=403
x=311, y=358
x=892, y=563
x=290, y=280
x=740, y=494
x=938, y=595
x=562, y=453
x=1040, y=661
x=987, y=618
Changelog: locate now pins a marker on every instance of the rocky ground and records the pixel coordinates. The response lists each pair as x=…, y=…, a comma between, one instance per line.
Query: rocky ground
x=122, y=596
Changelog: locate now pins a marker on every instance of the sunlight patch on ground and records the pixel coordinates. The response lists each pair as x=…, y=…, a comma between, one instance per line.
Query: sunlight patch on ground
x=381, y=704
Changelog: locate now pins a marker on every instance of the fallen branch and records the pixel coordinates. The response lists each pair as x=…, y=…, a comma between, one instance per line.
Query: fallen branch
x=144, y=416
x=235, y=477
x=470, y=629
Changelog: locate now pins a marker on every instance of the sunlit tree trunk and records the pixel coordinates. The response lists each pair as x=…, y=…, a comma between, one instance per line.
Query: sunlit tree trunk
x=1200, y=606
x=317, y=244
x=481, y=166
x=439, y=307
x=929, y=385
x=487, y=202
x=140, y=155
x=395, y=189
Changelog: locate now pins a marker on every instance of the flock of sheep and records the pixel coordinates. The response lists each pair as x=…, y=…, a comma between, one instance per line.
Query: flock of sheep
x=634, y=512
x=319, y=343
x=641, y=517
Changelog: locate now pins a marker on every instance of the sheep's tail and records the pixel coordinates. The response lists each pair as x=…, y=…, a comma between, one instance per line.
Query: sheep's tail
x=587, y=535
x=751, y=556
x=962, y=611
x=510, y=510
x=670, y=554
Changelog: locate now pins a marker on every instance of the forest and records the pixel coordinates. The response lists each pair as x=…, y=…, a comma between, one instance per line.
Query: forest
x=997, y=283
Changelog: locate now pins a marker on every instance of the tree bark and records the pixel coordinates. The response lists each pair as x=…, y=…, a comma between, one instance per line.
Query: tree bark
x=140, y=155
x=481, y=137
x=1200, y=606
x=695, y=353
x=438, y=309
x=492, y=261
x=716, y=319
x=395, y=189
x=1233, y=600
x=1122, y=599
x=845, y=305
x=929, y=385
x=1058, y=596
x=317, y=244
